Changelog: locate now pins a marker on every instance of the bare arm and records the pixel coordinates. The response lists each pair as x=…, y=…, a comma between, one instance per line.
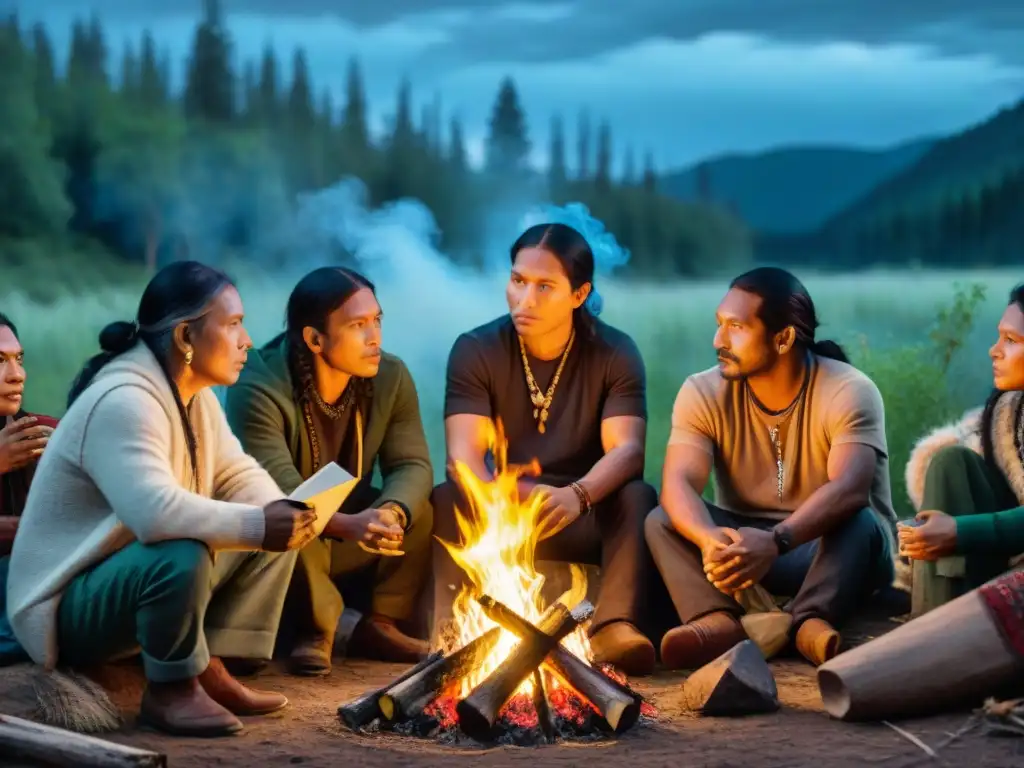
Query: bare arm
x=466, y=436
x=622, y=438
x=851, y=469
x=684, y=478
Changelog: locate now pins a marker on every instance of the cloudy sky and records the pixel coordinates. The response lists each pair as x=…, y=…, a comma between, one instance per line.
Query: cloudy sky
x=683, y=78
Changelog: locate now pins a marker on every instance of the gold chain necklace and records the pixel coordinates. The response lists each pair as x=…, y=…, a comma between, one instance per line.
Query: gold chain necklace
x=541, y=401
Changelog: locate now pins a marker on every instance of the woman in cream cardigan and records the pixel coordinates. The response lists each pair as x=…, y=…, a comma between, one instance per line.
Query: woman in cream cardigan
x=147, y=527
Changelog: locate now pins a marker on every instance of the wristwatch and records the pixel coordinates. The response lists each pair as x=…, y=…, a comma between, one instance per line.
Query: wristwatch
x=783, y=539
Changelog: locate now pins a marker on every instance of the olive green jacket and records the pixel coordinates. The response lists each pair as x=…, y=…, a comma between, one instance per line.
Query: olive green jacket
x=264, y=415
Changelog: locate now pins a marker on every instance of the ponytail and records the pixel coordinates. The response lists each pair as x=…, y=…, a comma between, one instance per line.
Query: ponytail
x=830, y=349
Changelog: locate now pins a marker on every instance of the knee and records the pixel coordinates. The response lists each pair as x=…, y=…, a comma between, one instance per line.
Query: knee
x=656, y=525
x=862, y=526
x=182, y=561
x=637, y=498
x=949, y=460
x=421, y=525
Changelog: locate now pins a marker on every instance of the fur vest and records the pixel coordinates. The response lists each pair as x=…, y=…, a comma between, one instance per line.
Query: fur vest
x=967, y=432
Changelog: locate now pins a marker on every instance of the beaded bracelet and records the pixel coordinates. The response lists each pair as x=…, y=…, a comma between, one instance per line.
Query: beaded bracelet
x=583, y=496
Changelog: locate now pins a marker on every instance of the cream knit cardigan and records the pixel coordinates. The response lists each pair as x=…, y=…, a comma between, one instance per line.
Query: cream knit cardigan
x=117, y=470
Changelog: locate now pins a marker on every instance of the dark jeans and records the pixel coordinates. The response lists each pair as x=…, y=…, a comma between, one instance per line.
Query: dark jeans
x=612, y=538
x=828, y=578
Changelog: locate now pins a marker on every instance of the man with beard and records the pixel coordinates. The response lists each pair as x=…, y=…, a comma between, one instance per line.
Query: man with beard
x=796, y=438
x=23, y=436
x=570, y=393
x=324, y=391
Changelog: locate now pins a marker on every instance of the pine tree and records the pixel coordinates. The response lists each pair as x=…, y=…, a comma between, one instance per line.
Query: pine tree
x=650, y=176
x=301, y=113
x=45, y=77
x=556, y=161
x=96, y=57
x=457, y=149
x=507, y=144
x=130, y=73
x=603, y=171
x=210, y=84
x=629, y=168
x=583, y=147
x=78, y=58
x=268, y=88
x=354, y=129
x=153, y=92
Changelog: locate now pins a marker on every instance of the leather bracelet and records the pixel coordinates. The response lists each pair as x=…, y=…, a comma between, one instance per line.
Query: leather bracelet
x=581, y=493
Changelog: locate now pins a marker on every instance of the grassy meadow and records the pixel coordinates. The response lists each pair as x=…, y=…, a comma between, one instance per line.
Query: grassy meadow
x=920, y=335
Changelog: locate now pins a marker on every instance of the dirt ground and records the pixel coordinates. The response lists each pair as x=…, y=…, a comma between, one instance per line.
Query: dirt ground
x=309, y=734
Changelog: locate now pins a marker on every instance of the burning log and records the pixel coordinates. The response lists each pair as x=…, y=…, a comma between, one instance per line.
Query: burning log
x=540, y=703
x=478, y=711
x=617, y=706
x=407, y=698
x=364, y=710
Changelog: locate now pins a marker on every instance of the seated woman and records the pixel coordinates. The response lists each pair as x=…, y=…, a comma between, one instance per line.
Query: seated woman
x=148, y=527
x=968, y=479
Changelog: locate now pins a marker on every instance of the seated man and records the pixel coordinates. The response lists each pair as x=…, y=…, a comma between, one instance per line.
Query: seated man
x=569, y=391
x=972, y=499
x=795, y=435
x=302, y=402
x=22, y=439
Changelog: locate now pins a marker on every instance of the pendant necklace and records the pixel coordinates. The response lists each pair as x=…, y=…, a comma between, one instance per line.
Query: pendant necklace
x=542, y=401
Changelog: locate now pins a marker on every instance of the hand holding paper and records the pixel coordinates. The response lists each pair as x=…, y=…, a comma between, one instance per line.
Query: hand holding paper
x=325, y=492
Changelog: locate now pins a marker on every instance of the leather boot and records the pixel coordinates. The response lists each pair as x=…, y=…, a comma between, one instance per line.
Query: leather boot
x=817, y=641
x=624, y=647
x=186, y=709
x=380, y=639
x=693, y=645
x=310, y=658
x=235, y=697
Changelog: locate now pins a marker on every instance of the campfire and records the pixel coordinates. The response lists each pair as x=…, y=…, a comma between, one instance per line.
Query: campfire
x=509, y=669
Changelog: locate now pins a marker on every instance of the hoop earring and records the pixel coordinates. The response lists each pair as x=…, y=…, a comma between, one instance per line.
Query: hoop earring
x=188, y=357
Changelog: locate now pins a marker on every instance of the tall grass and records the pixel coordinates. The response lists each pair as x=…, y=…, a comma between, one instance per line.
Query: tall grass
x=929, y=369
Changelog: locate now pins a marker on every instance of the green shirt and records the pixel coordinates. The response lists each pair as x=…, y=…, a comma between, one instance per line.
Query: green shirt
x=263, y=413
x=996, y=533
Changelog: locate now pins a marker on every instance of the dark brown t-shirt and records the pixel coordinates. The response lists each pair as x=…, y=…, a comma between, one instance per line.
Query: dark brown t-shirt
x=603, y=377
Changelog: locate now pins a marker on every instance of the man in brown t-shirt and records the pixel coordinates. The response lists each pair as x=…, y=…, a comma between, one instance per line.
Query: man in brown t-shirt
x=585, y=429
x=796, y=438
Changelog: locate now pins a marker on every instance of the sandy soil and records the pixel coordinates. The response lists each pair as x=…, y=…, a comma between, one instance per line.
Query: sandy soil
x=308, y=732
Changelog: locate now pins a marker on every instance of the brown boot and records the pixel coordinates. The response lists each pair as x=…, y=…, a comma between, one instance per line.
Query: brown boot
x=817, y=641
x=693, y=645
x=623, y=646
x=186, y=709
x=234, y=696
x=379, y=638
x=311, y=658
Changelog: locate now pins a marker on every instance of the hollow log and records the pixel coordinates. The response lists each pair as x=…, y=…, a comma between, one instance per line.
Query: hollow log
x=55, y=746
x=364, y=710
x=478, y=711
x=617, y=706
x=409, y=697
x=952, y=656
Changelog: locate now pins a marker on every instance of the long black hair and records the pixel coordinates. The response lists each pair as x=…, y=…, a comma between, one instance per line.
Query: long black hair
x=311, y=303
x=988, y=450
x=577, y=259
x=6, y=322
x=786, y=302
x=180, y=292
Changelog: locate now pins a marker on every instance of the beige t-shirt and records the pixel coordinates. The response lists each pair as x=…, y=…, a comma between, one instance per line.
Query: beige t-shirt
x=841, y=405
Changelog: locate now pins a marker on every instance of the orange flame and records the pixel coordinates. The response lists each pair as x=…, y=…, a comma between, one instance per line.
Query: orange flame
x=501, y=537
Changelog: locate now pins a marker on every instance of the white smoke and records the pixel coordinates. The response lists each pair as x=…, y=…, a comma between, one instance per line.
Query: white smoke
x=427, y=299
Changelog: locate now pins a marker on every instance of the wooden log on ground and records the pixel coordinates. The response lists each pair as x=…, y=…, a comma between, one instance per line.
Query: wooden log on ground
x=478, y=711
x=952, y=656
x=365, y=709
x=409, y=697
x=55, y=746
x=617, y=706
